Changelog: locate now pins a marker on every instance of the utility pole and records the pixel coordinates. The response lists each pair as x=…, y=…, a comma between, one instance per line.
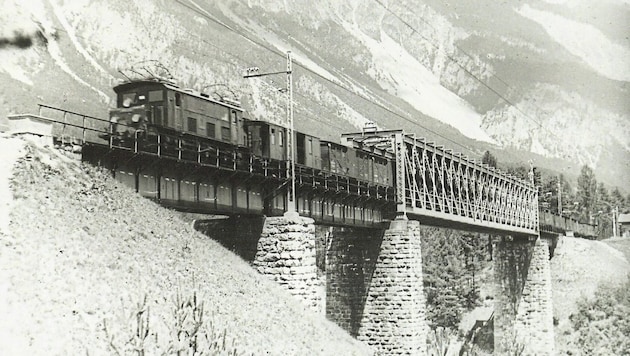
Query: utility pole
x=560, y=195
x=614, y=221
x=291, y=199
x=290, y=152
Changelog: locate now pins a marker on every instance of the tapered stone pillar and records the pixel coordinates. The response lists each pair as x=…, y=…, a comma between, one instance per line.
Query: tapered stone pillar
x=523, y=316
x=351, y=256
x=393, y=320
x=286, y=254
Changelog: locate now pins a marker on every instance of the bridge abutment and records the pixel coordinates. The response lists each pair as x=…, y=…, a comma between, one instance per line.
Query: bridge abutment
x=286, y=253
x=523, y=313
x=393, y=320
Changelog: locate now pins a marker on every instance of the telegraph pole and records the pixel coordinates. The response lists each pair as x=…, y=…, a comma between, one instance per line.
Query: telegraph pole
x=560, y=195
x=614, y=221
x=290, y=152
x=291, y=200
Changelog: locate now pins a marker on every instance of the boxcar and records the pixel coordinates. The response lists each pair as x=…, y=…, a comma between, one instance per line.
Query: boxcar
x=307, y=150
x=338, y=159
x=266, y=140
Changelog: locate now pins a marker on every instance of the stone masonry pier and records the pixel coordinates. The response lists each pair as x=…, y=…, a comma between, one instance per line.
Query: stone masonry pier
x=286, y=253
x=393, y=320
x=523, y=313
x=374, y=279
x=350, y=259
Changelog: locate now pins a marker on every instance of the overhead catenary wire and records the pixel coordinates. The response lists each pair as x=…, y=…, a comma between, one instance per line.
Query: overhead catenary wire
x=481, y=81
x=231, y=55
x=335, y=83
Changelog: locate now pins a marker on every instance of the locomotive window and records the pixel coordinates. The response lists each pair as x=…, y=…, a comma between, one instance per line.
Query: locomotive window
x=310, y=146
x=178, y=99
x=192, y=125
x=156, y=95
x=129, y=99
x=280, y=138
x=210, y=130
x=234, y=118
x=272, y=137
x=225, y=134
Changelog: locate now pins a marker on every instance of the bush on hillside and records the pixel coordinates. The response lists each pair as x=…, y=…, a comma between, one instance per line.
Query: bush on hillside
x=190, y=331
x=602, y=324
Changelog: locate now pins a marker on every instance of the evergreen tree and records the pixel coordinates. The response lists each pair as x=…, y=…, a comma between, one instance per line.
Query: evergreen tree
x=548, y=195
x=617, y=199
x=567, y=196
x=604, y=203
x=489, y=159
x=587, y=193
x=520, y=172
x=450, y=264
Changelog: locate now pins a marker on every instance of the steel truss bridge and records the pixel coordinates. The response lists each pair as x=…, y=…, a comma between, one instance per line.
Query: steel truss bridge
x=431, y=184
x=437, y=185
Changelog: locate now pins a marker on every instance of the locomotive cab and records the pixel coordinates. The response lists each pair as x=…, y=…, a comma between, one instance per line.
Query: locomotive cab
x=156, y=105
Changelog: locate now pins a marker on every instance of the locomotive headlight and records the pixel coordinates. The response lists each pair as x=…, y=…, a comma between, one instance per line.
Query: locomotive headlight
x=135, y=118
x=114, y=119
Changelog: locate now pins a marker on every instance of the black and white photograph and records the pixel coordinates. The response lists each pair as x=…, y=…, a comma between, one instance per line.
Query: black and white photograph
x=334, y=177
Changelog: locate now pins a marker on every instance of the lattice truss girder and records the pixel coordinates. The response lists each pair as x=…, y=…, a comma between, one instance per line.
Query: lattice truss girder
x=434, y=182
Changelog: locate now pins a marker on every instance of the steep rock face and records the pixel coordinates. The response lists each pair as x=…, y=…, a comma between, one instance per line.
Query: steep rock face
x=573, y=127
x=501, y=73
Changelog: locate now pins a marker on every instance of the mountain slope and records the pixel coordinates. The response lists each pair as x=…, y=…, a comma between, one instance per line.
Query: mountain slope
x=461, y=74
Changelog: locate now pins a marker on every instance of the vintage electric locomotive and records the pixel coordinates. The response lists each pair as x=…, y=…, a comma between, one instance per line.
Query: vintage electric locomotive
x=158, y=115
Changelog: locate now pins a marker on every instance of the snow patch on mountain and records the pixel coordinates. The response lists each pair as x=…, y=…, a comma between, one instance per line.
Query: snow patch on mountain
x=402, y=75
x=584, y=41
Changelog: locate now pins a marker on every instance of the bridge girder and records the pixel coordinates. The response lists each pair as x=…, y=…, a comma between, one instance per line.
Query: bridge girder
x=435, y=184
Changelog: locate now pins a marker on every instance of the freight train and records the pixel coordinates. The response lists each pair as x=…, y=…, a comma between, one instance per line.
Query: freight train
x=161, y=117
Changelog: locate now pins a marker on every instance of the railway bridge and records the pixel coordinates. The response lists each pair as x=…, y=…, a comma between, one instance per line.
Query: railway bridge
x=374, y=280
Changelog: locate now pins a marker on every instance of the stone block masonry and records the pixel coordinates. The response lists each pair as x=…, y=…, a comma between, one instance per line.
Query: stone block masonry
x=393, y=320
x=523, y=299
x=286, y=254
x=351, y=255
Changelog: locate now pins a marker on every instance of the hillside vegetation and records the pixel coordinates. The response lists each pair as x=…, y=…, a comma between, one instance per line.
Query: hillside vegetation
x=89, y=267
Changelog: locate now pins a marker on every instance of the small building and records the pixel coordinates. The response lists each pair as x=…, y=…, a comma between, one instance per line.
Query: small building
x=624, y=224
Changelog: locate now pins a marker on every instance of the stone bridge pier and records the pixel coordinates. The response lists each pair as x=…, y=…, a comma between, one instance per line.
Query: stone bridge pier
x=523, y=312
x=374, y=280
x=374, y=287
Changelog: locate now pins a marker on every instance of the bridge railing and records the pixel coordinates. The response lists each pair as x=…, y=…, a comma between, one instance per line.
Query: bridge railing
x=435, y=182
x=71, y=127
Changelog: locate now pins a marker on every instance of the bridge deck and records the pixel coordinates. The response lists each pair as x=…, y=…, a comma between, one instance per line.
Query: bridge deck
x=432, y=184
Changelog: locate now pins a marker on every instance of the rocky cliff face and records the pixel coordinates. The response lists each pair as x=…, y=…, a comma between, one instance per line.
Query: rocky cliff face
x=548, y=77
